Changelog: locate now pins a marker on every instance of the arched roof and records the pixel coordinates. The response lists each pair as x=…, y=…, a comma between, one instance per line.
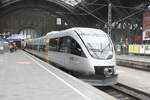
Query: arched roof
x=4, y=4
x=63, y=8
x=95, y=10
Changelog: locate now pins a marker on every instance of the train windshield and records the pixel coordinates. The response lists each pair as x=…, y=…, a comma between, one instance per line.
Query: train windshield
x=98, y=44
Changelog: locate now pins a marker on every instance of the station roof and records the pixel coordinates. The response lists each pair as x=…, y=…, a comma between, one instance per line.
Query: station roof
x=59, y=7
x=130, y=10
x=96, y=10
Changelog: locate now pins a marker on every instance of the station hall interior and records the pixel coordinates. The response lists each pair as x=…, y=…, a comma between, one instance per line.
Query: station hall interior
x=76, y=49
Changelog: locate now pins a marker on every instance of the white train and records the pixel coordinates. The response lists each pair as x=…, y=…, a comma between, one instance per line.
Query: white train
x=87, y=51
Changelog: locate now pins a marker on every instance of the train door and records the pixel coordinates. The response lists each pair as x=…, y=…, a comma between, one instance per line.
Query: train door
x=63, y=49
x=76, y=59
x=54, y=54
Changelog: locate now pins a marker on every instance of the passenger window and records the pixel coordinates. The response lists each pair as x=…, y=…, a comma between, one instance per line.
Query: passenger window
x=76, y=49
x=64, y=44
x=53, y=44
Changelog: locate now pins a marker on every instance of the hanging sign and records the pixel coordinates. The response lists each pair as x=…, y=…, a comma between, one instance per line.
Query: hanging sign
x=146, y=26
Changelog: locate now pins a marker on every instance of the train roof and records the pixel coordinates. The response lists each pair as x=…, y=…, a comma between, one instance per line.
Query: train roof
x=52, y=32
x=79, y=30
x=87, y=30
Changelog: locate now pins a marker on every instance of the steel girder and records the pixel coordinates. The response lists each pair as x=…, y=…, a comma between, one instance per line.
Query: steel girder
x=121, y=9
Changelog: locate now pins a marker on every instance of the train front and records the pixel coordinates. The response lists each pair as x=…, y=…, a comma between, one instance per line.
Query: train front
x=101, y=57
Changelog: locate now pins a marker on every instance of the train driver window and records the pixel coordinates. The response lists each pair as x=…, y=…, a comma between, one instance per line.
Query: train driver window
x=76, y=49
x=53, y=44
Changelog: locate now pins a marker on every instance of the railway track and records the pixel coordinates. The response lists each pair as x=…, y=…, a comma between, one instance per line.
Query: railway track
x=134, y=64
x=123, y=92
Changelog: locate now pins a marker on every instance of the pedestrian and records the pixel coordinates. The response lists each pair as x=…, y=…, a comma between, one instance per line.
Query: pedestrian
x=15, y=47
x=11, y=47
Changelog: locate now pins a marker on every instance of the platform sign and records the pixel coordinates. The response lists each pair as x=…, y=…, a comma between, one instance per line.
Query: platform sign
x=11, y=40
x=141, y=49
x=146, y=26
x=131, y=48
x=136, y=49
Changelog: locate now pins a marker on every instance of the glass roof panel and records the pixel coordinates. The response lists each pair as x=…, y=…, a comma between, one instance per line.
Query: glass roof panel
x=72, y=2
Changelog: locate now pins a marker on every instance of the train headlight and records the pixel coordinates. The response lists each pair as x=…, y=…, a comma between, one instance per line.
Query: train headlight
x=108, y=71
x=106, y=54
x=110, y=54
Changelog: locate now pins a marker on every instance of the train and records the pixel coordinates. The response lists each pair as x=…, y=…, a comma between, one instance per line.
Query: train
x=87, y=51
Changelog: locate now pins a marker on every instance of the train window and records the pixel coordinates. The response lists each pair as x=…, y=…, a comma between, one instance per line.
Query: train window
x=64, y=44
x=76, y=49
x=53, y=44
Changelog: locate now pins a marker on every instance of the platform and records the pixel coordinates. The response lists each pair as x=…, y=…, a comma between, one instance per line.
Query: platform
x=133, y=57
x=134, y=61
x=135, y=78
x=24, y=77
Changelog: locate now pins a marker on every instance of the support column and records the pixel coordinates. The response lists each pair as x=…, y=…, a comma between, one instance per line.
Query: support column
x=109, y=18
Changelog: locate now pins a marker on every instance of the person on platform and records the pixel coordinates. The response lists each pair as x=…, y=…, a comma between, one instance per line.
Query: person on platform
x=15, y=47
x=11, y=47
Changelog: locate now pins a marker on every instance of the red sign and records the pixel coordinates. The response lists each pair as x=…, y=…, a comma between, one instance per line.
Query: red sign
x=138, y=37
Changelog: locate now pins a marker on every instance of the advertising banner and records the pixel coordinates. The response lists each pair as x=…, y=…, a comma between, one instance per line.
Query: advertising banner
x=131, y=48
x=146, y=26
x=136, y=49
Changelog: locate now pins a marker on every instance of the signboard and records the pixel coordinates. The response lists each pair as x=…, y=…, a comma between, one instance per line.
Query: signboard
x=131, y=48
x=146, y=26
x=11, y=40
x=136, y=49
x=138, y=37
